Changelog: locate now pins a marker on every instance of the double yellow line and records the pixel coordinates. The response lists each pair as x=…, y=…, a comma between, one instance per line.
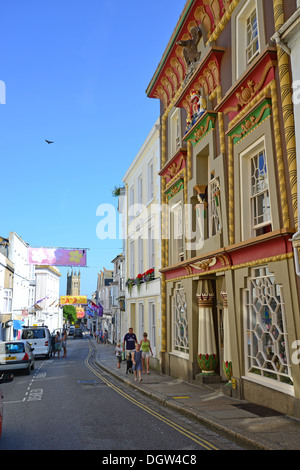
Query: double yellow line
x=203, y=443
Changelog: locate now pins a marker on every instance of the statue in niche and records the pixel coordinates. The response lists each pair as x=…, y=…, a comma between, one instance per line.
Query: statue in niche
x=190, y=51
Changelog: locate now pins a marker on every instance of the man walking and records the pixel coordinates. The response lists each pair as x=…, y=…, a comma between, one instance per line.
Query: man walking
x=129, y=341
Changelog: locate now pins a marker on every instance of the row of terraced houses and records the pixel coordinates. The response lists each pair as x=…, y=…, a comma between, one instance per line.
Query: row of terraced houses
x=210, y=204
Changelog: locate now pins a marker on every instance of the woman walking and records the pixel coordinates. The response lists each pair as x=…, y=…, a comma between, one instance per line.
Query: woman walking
x=146, y=350
x=57, y=343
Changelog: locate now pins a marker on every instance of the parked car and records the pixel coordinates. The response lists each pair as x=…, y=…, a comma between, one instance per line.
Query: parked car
x=3, y=378
x=16, y=355
x=40, y=339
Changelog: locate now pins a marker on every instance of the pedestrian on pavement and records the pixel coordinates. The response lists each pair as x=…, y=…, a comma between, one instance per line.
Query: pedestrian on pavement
x=57, y=347
x=97, y=335
x=118, y=352
x=146, y=351
x=64, y=343
x=129, y=341
x=105, y=337
x=137, y=362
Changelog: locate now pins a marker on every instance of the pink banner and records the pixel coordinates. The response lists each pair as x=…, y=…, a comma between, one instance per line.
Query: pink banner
x=57, y=256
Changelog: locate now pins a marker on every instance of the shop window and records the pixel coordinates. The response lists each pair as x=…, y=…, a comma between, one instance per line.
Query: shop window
x=266, y=340
x=180, y=338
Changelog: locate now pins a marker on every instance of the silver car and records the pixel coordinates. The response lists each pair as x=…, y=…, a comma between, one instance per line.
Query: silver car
x=16, y=355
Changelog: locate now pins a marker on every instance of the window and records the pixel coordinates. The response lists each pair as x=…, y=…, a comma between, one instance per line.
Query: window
x=252, y=36
x=140, y=255
x=151, y=248
x=247, y=36
x=152, y=325
x=131, y=204
x=256, y=206
x=150, y=182
x=214, y=214
x=140, y=189
x=180, y=338
x=7, y=306
x=266, y=341
x=175, y=137
x=177, y=229
x=131, y=259
x=260, y=200
x=141, y=320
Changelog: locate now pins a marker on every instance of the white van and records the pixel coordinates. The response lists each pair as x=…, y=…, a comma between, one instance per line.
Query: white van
x=39, y=338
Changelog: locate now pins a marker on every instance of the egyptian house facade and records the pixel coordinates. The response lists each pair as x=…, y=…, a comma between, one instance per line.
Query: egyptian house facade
x=230, y=295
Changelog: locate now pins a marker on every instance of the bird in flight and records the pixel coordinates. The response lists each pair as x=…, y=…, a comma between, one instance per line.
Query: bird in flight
x=49, y=141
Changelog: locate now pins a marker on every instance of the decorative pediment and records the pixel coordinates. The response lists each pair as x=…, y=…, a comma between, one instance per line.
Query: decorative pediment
x=196, y=22
x=243, y=92
x=174, y=168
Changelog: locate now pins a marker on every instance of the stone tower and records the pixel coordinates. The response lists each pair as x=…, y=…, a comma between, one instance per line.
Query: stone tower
x=73, y=283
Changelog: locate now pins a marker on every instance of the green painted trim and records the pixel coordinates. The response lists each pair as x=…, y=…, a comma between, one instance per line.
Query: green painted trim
x=259, y=114
x=191, y=135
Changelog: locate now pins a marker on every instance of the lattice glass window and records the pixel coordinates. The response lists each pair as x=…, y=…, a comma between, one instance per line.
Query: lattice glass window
x=213, y=207
x=260, y=199
x=266, y=337
x=252, y=36
x=180, y=321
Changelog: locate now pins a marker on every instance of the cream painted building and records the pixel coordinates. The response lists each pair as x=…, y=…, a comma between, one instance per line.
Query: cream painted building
x=143, y=246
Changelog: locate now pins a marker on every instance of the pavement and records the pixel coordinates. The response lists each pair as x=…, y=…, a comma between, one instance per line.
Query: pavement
x=251, y=426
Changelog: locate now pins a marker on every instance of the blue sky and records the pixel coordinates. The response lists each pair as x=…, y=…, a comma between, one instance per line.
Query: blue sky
x=75, y=72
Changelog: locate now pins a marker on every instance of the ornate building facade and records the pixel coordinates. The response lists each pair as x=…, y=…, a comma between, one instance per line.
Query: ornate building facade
x=230, y=294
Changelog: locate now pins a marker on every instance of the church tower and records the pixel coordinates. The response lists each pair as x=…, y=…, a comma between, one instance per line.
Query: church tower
x=73, y=283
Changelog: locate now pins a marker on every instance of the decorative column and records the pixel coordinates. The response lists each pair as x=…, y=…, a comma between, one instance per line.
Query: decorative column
x=207, y=350
x=227, y=357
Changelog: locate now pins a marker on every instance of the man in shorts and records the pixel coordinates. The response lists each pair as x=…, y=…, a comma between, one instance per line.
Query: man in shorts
x=129, y=342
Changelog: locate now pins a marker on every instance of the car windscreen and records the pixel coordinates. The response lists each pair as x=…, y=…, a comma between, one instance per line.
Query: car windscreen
x=11, y=348
x=33, y=334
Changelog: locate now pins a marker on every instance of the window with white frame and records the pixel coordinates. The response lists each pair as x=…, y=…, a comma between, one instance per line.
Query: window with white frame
x=131, y=204
x=175, y=138
x=256, y=205
x=247, y=36
x=152, y=325
x=140, y=259
x=266, y=340
x=151, y=247
x=180, y=339
x=140, y=189
x=177, y=231
x=7, y=301
x=150, y=177
x=131, y=259
x=214, y=214
x=141, y=320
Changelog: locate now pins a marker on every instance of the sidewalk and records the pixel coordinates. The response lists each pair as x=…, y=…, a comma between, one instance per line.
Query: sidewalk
x=250, y=425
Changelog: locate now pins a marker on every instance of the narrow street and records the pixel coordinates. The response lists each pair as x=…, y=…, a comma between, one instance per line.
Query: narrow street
x=70, y=404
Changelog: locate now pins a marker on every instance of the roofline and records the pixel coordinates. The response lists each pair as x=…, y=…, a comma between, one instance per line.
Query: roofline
x=170, y=45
